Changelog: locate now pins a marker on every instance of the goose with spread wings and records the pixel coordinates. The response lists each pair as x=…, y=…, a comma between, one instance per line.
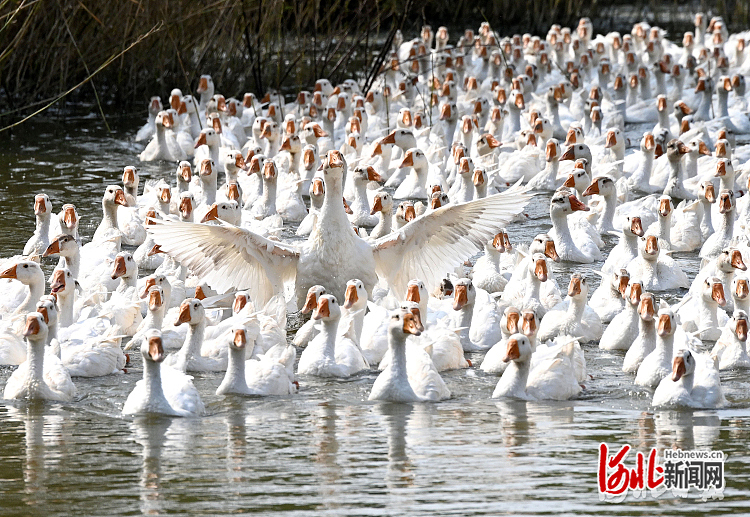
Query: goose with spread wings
x=232, y=258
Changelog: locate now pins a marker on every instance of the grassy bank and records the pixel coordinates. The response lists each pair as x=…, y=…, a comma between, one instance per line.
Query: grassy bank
x=138, y=48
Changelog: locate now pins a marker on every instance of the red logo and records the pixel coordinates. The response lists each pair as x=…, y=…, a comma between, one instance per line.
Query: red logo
x=615, y=479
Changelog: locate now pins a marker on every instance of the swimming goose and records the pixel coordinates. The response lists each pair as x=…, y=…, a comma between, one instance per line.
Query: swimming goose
x=362, y=214
x=657, y=272
x=486, y=273
x=162, y=390
x=552, y=378
x=382, y=204
x=113, y=197
x=731, y=347
x=702, y=312
x=189, y=357
x=605, y=187
x=722, y=237
x=573, y=316
x=316, y=259
x=626, y=249
x=607, y=299
x=573, y=247
x=29, y=381
x=546, y=180
x=689, y=386
x=268, y=375
x=723, y=267
x=154, y=107
x=478, y=323
x=396, y=383
x=658, y=364
x=30, y=274
x=509, y=325
x=645, y=342
x=40, y=240
x=326, y=354
x=623, y=329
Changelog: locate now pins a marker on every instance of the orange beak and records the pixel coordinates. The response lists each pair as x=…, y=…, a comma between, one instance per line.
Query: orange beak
x=408, y=160
x=611, y=139
x=665, y=325
x=32, y=327
x=377, y=206
x=350, y=298
x=742, y=290
x=540, y=270
x=52, y=249
x=186, y=207
x=737, y=261
x=239, y=303
x=512, y=352
x=577, y=205
x=211, y=215
x=323, y=310
x=512, y=322
x=741, y=330
x=372, y=175
x=636, y=227
x=412, y=293
x=717, y=293
x=184, y=314
x=574, y=288
x=678, y=368
x=592, y=189
x=201, y=140
x=652, y=245
x=154, y=300
x=120, y=268
x=460, y=298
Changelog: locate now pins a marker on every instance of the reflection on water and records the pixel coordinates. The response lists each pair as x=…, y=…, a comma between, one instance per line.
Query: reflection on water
x=326, y=451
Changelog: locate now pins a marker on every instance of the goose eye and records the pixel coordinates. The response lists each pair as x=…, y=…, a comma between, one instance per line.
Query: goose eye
x=25, y=265
x=195, y=306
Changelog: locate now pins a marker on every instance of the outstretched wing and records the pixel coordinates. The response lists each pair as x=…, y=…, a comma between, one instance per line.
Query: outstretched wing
x=433, y=244
x=228, y=257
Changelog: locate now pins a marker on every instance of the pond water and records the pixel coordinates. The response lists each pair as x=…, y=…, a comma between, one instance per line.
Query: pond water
x=326, y=450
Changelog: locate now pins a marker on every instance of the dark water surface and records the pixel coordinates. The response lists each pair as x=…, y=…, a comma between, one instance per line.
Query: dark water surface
x=325, y=451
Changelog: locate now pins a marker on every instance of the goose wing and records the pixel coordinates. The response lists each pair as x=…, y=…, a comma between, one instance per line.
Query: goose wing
x=435, y=243
x=228, y=257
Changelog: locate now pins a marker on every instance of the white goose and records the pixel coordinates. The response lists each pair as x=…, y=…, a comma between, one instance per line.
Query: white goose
x=731, y=347
x=28, y=380
x=397, y=382
x=572, y=317
x=577, y=246
x=656, y=272
x=623, y=329
x=645, y=343
x=267, y=375
x=690, y=386
x=553, y=378
x=702, y=311
x=607, y=299
x=40, y=240
x=658, y=363
x=326, y=355
x=232, y=258
x=162, y=390
x=189, y=357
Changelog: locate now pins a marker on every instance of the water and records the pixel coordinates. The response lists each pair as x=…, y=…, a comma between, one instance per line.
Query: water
x=326, y=450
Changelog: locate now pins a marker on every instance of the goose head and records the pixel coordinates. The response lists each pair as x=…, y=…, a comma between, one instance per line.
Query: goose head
x=486, y=143
x=603, y=186
x=154, y=106
x=62, y=282
x=680, y=109
x=26, y=271
x=323, y=86
x=543, y=243
x=184, y=172
x=207, y=170
x=227, y=211
x=738, y=324
x=740, y=287
x=649, y=248
x=208, y=137
x=363, y=174
x=416, y=292
x=47, y=307
x=355, y=296
x=69, y=218
x=464, y=294
x=712, y=291
x=405, y=213
x=402, y=323
x=697, y=147
x=191, y=312
x=327, y=309
x=403, y=138
x=439, y=199
x=729, y=260
x=155, y=298
x=728, y=141
x=125, y=266
x=726, y=201
x=707, y=192
x=646, y=307
x=518, y=348
x=313, y=297
x=615, y=140
x=64, y=245
x=564, y=202
x=632, y=226
x=310, y=157
x=529, y=323
x=620, y=280
x=270, y=171
x=510, y=321
x=238, y=338
x=578, y=287
x=576, y=151
x=633, y=292
x=466, y=166
x=156, y=280
x=257, y=164
x=382, y=202
x=35, y=329
x=724, y=168
x=572, y=137
x=538, y=266
x=186, y=206
x=152, y=348
x=683, y=365
x=665, y=206
x=242, y=302
x=233, y=162
x=164, y=195
x=42, y=205
x=113, y=195
x=414, y=309
x=270, y=131
x=552, y=150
